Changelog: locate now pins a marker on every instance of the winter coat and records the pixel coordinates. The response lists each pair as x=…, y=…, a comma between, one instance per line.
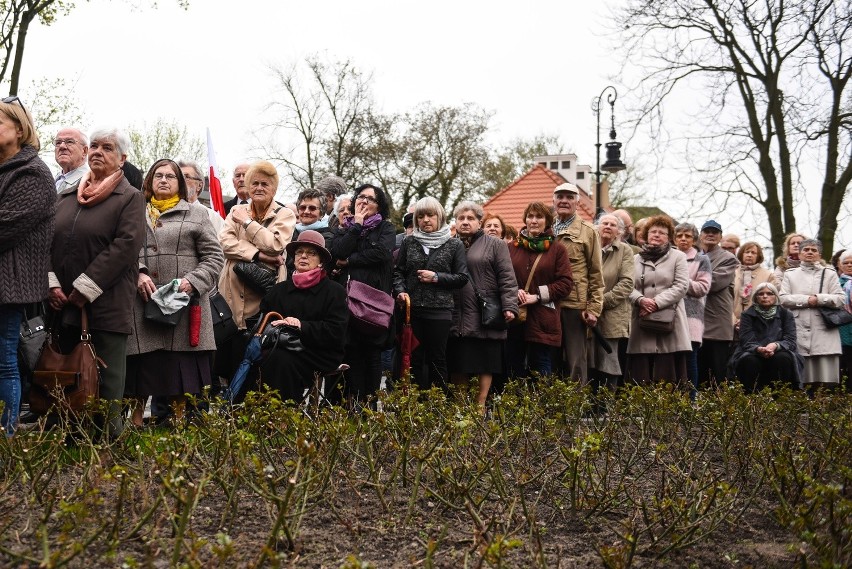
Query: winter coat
x=584, y=252
x=448, y=261
x=27, y=211
x=744, y=282
x=552, y=282
x=846, y=329
x=95, y=250
x=183, y=246
x=756, y=332
x=666, y=281
x=719, y=307
x=617, y=271
x=813, y=336
x=242, y=244
x=370, y=261
x=492, y=276
x=698, y=266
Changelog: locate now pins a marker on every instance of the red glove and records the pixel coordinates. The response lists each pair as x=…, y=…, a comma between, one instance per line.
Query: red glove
x=194, y=322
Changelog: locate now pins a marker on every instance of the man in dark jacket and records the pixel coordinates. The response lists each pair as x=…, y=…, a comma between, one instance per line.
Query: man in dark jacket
x=239, y=180
x=719, y=308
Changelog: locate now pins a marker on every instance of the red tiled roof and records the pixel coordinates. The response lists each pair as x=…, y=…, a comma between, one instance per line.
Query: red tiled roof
x=535, y=186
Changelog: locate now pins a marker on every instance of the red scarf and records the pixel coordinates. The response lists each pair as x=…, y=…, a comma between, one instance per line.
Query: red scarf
x=308, y=278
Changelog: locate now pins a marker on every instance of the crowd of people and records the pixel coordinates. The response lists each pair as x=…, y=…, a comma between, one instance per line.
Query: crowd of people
x=603, y=303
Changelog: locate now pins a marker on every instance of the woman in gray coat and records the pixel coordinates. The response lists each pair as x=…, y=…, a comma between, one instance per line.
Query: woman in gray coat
x=472, y=348
x=804, y=290
x=661, y=280
x=179, y=244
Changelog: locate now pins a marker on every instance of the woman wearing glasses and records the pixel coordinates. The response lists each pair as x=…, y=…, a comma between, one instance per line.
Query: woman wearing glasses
x=767, y=350
x=362, y=248
x=310, y=212
x=27, y=207
x=180, y=244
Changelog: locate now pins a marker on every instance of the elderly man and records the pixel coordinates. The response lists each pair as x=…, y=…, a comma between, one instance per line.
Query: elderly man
x=627, y=224
x=719, y=307
x=71, y=147
x=239, y=180
x=194, y=186
x=332, y=187
x=584, y=305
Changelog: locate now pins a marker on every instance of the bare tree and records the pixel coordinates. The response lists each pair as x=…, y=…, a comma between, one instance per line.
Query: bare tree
x=768, y=80
x=163, y=139
x=320, y=111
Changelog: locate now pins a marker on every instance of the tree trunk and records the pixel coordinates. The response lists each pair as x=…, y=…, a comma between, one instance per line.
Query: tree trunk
x=15, y=78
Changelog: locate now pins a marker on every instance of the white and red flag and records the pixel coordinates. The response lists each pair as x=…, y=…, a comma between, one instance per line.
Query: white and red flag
x=215, y=186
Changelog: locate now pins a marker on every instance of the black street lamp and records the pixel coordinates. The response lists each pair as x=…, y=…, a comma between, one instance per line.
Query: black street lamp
x=613, y=148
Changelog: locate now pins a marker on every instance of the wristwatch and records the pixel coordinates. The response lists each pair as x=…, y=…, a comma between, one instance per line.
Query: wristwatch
x=247, y=222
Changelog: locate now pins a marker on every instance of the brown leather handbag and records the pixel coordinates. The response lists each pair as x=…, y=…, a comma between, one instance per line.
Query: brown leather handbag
x=66, y=381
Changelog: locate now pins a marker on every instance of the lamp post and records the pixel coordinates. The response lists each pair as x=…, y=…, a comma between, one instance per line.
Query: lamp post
x=613, y=148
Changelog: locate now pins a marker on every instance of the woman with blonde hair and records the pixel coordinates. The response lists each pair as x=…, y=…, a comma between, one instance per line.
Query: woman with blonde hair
x=790, y=258
x=27, y=209
x=257, y=233
x=749, y=274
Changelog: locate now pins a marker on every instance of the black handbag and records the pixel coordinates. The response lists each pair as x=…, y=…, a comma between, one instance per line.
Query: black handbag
x=833, y=317
x=153, y=313
x=284, y=337
x=491, y=312
x=257, y=276
x=31, y=342
x=224, y=327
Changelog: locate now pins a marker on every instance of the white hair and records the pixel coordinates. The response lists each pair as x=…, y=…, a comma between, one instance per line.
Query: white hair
x=122, y=142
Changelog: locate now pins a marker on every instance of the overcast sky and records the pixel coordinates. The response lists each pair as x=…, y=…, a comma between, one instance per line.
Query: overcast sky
x=536, y=64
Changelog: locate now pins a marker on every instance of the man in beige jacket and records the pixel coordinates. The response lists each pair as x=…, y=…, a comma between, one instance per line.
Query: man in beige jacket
x=584, y=305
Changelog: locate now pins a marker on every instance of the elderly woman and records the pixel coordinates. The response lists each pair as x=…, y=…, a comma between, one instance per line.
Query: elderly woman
x=700, y=275
x=766, y=350
x=844, y=265
x=362, y=248
x=429, y=267
x=27, y=209
x=749, y=274
x=790, y=258
x=310, y=212
x=316, y=306
x=100, y=227
x=179, y=244
x=258, y=233
x=543, y=273
x=804, y=290
x=661, y=281
x=493, y=225
x=474, y=350
x=614, y=322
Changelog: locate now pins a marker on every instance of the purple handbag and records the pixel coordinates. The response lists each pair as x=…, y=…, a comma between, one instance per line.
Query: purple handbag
x=371, y=310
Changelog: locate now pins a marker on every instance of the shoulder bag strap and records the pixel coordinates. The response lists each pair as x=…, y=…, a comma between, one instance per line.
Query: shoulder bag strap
x=532, y=272
x=821, y=279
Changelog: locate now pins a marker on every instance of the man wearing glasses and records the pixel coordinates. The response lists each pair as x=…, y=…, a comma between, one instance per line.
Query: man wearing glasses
x=70, y=150
x=194, y=187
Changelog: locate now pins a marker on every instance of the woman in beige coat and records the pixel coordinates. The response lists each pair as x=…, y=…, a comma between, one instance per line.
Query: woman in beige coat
x=750, y=273
x=661, y=279
x=257, y=232
x=804, y=290
x=614, y=322
x=179, y=244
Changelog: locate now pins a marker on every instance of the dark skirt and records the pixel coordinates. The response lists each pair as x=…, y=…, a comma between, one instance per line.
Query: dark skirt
x=167, y=374
x=475, y=355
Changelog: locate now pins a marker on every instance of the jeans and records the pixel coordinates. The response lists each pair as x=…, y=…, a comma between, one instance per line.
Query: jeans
x=10, y=379
x=526, y=357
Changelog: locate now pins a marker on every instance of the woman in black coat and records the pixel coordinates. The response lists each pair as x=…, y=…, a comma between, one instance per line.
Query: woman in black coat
x=766, y=351
x=314, y=304
x=363, y=251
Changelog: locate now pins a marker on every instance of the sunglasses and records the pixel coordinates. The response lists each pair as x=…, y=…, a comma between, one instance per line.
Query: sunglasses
x=308, y=208
x=12, y=99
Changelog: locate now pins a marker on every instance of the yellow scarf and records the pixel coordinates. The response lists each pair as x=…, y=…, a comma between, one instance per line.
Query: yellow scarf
x=157, y=207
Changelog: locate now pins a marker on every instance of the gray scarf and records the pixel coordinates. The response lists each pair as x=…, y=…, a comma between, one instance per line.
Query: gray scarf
x=433, y=240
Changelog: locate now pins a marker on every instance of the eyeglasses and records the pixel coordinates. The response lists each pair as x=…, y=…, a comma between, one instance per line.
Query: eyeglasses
x=12, y=99
x=170, y=177
x=193, y=178
x=66, y=141
x=307, y=252
x=363, y=198
x=308, y=208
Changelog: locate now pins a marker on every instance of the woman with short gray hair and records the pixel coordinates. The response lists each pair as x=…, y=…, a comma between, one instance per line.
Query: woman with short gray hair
x=804, y=290
x=474, y=349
